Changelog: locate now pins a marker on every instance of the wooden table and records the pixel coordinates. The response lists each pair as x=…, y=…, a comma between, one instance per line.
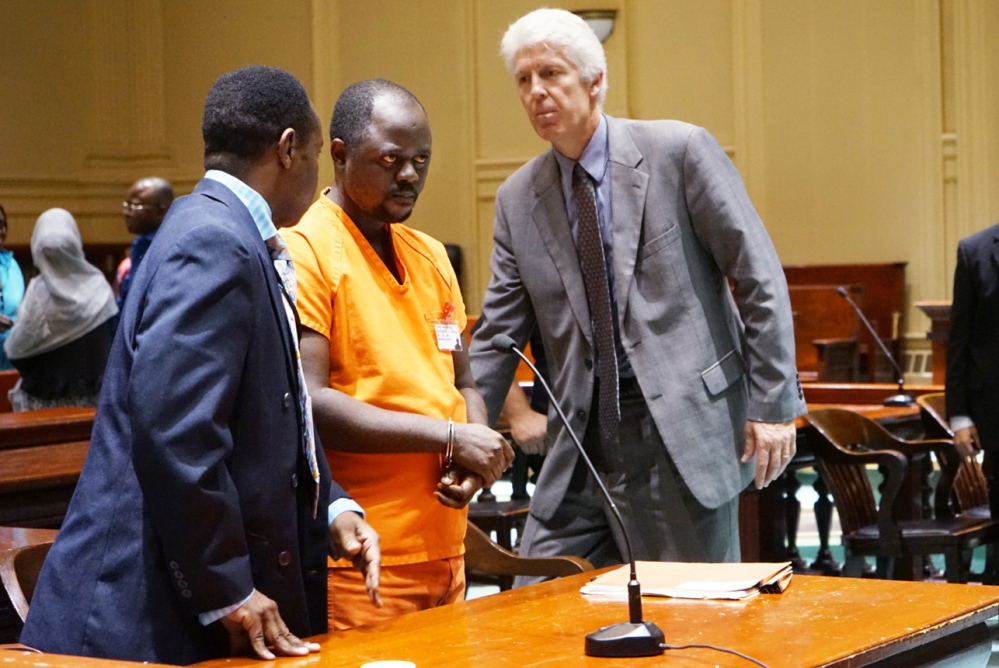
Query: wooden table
x=818, y=621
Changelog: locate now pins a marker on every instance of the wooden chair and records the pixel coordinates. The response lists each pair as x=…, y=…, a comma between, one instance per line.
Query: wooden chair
x=485, y=557
x=847, y=442
x=970, y=494
x=19, y=569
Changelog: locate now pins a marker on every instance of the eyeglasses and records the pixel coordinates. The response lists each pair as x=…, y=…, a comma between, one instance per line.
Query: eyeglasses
x=131, y=206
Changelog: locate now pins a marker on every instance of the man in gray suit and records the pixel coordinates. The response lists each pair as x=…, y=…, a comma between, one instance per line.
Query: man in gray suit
x=619, y=243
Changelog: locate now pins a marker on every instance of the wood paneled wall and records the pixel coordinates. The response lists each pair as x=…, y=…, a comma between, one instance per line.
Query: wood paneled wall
x=865, y=131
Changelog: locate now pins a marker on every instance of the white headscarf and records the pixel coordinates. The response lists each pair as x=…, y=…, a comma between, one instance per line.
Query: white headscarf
x=69, y=298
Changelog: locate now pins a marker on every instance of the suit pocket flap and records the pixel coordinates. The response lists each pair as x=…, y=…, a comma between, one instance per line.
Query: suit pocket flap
x=720, y=375
x=652, y=246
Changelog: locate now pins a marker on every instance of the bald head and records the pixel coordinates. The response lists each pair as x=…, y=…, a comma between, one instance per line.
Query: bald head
x=146, y=204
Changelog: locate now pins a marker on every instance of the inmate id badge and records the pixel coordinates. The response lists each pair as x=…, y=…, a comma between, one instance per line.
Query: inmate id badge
x=447, y=330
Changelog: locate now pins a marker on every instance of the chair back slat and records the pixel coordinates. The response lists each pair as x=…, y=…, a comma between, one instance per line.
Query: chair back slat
x=852, y=494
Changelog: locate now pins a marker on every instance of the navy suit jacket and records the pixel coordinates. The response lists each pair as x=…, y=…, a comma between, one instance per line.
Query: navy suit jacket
x=973, y=349
x=195, y=489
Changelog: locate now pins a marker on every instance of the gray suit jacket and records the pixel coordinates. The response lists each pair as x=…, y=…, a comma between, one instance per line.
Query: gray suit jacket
x=682, y=226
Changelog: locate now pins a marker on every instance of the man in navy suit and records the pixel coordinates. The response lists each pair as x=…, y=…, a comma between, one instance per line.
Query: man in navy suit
x=199, y=525
x=973, y=355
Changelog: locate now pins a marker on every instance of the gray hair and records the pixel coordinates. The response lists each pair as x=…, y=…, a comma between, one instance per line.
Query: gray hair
x=561, y=31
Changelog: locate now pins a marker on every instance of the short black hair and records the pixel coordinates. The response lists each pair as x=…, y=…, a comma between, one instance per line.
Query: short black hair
x=246, y=112
x=352, y=112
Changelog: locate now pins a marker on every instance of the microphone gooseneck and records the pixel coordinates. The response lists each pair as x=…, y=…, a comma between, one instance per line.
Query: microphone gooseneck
x=900, y=399
x=636, y=637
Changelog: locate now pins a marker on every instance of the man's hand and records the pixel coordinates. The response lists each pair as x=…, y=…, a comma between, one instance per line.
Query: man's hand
x=258, y=624
x=354, y=539
x=966, y=441
x=773, y=444
x=456, y=488
x=529, y=431
x=481, y=450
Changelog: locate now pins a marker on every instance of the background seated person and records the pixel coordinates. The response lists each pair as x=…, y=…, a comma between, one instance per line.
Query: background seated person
x=62, y=336
x=11, y=290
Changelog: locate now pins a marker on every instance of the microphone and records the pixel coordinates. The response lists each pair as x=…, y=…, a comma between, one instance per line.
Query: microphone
x=634, y=637
x=900, y=399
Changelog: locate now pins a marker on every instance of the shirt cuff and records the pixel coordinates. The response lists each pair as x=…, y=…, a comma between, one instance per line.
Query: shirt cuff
x=344, y=505
x=207, y=618
x=959, y=422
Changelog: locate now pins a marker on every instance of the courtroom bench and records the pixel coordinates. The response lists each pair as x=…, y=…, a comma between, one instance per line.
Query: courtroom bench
x=41, y=456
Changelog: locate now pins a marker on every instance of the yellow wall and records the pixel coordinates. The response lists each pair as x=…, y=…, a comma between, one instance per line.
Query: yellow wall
x=865, y=131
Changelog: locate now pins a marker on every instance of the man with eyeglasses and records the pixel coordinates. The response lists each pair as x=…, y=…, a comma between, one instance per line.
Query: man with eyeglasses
x=144, y=209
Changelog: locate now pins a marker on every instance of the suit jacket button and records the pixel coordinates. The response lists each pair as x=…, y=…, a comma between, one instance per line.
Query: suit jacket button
x=284, y=558
x=588, y=363
x=287, y=399
x=178, y=575
x=186, y=593
x=581, y=415
x=174, y=566
x=294, y=480
x=182, y=584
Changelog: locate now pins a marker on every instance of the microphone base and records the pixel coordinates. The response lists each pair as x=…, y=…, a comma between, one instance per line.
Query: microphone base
x=626, y=639
x=899, y=400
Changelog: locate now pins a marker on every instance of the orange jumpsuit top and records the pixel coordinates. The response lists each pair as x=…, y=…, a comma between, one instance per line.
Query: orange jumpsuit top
x=384, y=351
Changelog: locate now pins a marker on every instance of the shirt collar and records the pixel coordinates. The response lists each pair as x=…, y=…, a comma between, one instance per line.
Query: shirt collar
x=254, y=202
x=594, y=158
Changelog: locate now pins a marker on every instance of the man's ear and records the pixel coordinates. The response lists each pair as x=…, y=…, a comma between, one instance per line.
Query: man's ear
x=338, y=151
x=286, y=147
x=595, y=85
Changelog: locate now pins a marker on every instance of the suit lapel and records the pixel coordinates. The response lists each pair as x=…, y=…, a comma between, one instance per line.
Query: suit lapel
x=629, y=187
x=550, y=217
x=249, y=230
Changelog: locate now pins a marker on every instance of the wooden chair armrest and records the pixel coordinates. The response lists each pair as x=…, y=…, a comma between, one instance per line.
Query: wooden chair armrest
x=922, y=447
x=483, y=554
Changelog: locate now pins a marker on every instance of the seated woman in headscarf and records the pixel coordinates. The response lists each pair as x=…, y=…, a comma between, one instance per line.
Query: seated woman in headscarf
x=62, y=336
x=11, y=290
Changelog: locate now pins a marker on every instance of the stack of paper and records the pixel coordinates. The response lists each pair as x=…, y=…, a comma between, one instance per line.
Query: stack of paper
x=736, y=582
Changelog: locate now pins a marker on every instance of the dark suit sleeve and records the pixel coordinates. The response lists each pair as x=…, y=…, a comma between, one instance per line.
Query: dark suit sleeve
x=337, y=492
x=962, y=312
x=727, y=225
x=190, y=347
